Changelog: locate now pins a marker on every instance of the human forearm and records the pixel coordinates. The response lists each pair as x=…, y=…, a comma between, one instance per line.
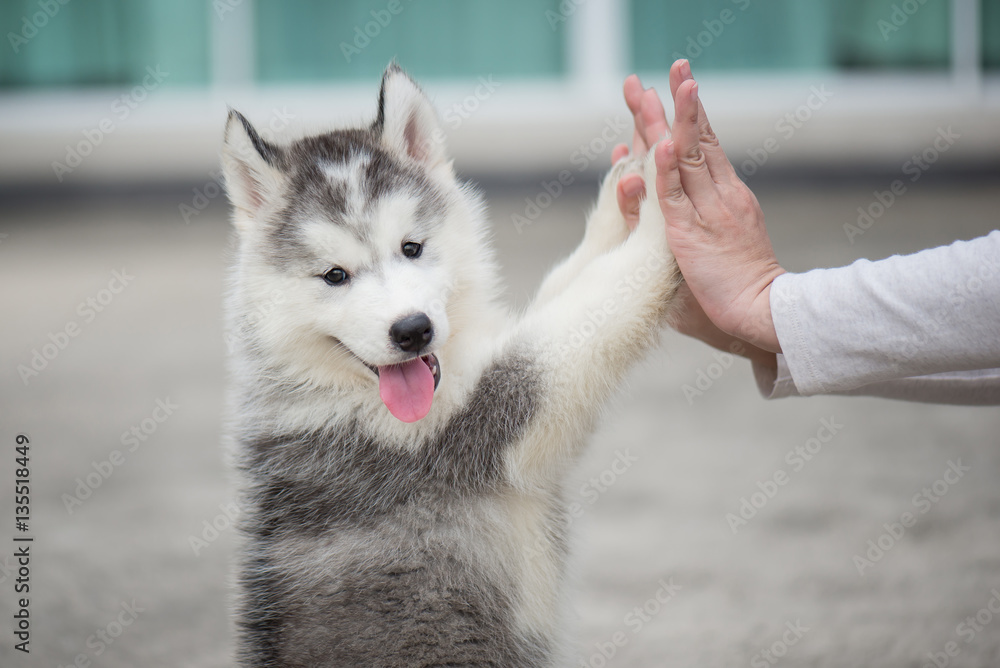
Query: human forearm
x=905, y=316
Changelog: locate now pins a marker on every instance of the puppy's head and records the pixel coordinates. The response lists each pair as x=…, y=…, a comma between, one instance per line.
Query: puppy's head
x=353, y=243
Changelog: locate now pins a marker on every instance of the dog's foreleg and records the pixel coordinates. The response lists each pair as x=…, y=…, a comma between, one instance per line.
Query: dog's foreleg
x=588, y=336
x=606, y=229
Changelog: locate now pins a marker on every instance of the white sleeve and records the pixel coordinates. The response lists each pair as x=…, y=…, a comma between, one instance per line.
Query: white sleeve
x=980, y=387
x=924, y=327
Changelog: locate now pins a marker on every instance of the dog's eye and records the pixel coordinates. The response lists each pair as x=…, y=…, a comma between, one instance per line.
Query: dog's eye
x=335, y=276
x=412, y=249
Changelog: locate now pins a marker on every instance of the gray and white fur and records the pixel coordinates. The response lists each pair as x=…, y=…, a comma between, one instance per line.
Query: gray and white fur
x=369, y=541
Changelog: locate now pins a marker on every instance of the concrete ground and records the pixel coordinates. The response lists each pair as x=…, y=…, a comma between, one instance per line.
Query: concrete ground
x=126, y=569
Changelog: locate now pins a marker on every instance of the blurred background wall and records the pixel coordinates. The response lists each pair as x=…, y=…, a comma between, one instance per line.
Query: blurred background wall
x=141, y=86
x=111, y=118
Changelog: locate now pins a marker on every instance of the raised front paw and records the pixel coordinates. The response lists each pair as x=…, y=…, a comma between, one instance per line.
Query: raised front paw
x=651, y=227
x=606, y=227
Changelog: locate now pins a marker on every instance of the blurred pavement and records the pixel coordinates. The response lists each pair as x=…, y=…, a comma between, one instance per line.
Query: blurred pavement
x=662, y=520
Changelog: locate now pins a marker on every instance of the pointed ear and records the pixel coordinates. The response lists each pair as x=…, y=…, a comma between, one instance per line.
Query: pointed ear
x=407, y=121
x=252, y=167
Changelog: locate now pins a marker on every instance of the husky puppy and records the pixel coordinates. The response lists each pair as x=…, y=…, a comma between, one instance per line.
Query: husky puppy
x=400, y=439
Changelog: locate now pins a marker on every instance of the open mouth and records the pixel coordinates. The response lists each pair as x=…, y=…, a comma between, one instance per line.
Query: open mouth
x=407, y=389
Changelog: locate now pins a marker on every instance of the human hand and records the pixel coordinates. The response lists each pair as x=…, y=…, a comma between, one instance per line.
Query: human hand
x=650, y=127
x=688, y=318
x=715, y=226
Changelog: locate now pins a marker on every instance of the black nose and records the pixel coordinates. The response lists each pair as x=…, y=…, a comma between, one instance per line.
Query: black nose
x=412, y=333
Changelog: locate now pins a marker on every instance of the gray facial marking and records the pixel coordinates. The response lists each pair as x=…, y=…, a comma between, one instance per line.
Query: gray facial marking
x=311, y=195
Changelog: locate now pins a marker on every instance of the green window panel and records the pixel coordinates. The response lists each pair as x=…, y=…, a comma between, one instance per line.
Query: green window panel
x=791, y=34
x=318, y=40
x=991, y=34
x=112, y=42
x=900, y=34
x=102, y=42
x=729, y=34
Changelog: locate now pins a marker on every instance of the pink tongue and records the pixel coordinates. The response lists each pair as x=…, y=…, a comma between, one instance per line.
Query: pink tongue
x=407, y=389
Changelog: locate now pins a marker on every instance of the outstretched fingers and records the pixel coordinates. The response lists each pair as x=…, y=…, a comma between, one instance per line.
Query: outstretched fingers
x=693, y=167
x=634, y=92
x=678, y=209
x=647, y=113
x=654, y=118
x=650, y=125
x=718, y=164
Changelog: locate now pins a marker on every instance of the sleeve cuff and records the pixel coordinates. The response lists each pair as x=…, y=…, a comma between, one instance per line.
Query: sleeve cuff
x=775, y=383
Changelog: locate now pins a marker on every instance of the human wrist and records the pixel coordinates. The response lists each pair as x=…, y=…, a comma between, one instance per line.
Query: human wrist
x=758, y=326
x=764, y=359
x=754, y=354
